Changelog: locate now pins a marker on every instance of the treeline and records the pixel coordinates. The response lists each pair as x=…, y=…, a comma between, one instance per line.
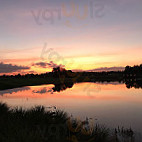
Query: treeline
x=135, y=71
x=62, y=78
x=129, y=72
x=56, y=73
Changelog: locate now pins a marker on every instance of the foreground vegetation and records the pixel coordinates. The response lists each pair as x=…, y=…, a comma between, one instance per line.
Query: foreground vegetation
x=41, y=125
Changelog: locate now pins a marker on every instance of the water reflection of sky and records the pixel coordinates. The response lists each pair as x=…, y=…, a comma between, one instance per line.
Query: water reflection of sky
x=15, y=90
x=110, y=103
x=43, y=90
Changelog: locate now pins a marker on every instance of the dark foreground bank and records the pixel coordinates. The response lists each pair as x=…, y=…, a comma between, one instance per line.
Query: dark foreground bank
x=42, y=125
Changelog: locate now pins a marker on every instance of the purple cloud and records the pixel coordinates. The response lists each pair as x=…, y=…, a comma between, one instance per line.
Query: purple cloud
x=9, y=68
x=51, y=64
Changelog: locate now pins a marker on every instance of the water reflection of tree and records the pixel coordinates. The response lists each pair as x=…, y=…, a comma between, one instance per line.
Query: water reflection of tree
x=62, y=86
x=135, y=84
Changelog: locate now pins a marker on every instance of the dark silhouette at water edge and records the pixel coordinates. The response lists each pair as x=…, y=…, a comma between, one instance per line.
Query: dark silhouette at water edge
x=60, y=77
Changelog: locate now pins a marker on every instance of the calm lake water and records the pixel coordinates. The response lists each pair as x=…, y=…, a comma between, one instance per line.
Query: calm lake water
x=111, y=104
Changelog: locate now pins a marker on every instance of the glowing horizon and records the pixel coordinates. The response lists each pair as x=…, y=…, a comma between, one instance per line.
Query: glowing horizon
x=81, y=35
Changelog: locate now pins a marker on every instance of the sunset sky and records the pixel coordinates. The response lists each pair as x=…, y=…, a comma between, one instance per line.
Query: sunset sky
x=36, y=35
